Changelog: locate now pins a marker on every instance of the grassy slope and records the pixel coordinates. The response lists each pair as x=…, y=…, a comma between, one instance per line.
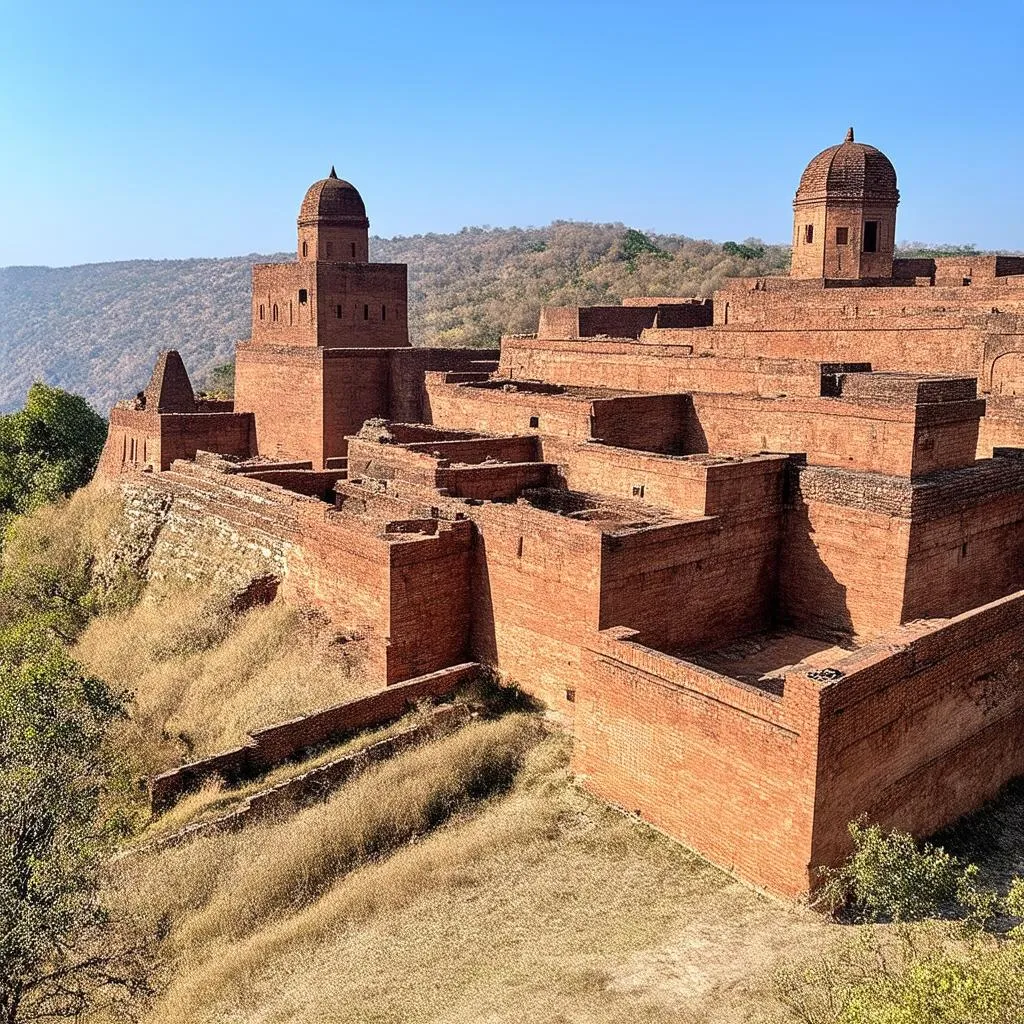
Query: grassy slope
x=203, y=676
x=538, y=904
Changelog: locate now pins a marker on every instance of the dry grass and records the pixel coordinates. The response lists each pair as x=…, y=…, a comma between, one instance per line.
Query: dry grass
x=215, y=799
x=50, y=554
x=203, y=676
x=538, y=905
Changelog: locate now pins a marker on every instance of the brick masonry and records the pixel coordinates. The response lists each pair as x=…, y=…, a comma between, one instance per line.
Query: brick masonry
x=763, y=554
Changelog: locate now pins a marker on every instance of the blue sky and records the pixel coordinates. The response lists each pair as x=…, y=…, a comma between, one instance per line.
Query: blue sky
x=152, y=130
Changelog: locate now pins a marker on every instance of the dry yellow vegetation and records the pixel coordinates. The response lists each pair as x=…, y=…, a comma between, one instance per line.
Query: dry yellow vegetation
x=431, y=890
x=203, y=676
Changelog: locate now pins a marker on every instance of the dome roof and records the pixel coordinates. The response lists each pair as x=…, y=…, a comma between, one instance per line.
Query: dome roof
x=332, y=199
x=849, y=171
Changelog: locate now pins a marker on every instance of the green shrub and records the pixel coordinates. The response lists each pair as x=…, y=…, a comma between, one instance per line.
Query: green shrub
x=890, y=877
x=924, y=974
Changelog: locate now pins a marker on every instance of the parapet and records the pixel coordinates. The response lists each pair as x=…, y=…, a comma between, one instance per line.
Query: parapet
x=626, y=321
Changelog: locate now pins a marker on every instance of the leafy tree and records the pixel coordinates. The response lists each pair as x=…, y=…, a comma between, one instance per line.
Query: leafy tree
x=220, y=381
x=744, y=251
x=47, y=450
x=61, y=951
x=636, y=244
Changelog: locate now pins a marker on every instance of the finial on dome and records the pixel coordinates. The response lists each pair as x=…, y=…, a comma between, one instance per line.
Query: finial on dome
x=334, y=173
x=849, y=135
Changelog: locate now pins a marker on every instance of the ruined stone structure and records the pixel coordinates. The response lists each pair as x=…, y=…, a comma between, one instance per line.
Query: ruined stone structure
x=762, y=554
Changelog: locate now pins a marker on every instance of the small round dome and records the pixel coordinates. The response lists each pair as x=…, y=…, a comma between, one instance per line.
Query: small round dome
x=849, y=171
x=333, y=200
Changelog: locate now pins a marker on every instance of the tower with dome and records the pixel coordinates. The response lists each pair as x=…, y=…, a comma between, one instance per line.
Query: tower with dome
x=844, y=215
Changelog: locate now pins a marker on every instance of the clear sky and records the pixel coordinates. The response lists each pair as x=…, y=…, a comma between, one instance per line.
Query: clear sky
x=174, y=129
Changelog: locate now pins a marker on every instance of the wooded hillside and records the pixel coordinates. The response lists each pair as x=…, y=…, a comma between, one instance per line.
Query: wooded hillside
x=95, y=329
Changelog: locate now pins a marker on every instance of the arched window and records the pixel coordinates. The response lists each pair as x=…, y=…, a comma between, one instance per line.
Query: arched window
x=305, y=249
x=273, y=313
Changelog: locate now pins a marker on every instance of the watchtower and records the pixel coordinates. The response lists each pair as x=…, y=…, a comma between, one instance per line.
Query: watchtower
x=844, y=215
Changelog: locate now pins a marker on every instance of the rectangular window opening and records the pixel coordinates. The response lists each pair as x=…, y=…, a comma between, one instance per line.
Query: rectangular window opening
x=808, y=234
x=383, y=313
x=842, y=236
x=353, y=250
x=638, y=490
x=534, y=421
x=303, y=296
x=871, y=236
x=337, y=312
x=366, y=312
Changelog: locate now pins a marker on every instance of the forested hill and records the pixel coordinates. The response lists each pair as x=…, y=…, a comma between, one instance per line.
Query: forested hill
x=95, y=329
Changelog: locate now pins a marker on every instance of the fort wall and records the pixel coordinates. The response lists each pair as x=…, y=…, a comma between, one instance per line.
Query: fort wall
x=724, y=767
x=922, y=728
x=686, y=585
x=536, y=595
x=282, y=388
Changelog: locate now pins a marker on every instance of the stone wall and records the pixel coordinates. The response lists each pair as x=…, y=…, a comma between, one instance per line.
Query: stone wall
x=721, y=766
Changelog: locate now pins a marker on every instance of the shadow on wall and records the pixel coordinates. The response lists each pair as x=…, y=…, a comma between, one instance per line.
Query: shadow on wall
x=483, y=642
x=810, y=596
x=695, y=440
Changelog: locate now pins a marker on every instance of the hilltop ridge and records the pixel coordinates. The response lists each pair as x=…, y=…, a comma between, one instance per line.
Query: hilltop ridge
x=96, y=328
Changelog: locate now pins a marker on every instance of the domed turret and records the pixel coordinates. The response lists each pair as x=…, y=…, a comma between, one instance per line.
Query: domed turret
x=332, y=222
x=844, y=214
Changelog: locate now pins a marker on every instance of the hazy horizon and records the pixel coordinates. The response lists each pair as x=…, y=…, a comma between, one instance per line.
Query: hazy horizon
x=289, y=253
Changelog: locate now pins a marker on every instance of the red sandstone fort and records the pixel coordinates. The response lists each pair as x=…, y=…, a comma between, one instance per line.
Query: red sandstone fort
x=761, y=553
